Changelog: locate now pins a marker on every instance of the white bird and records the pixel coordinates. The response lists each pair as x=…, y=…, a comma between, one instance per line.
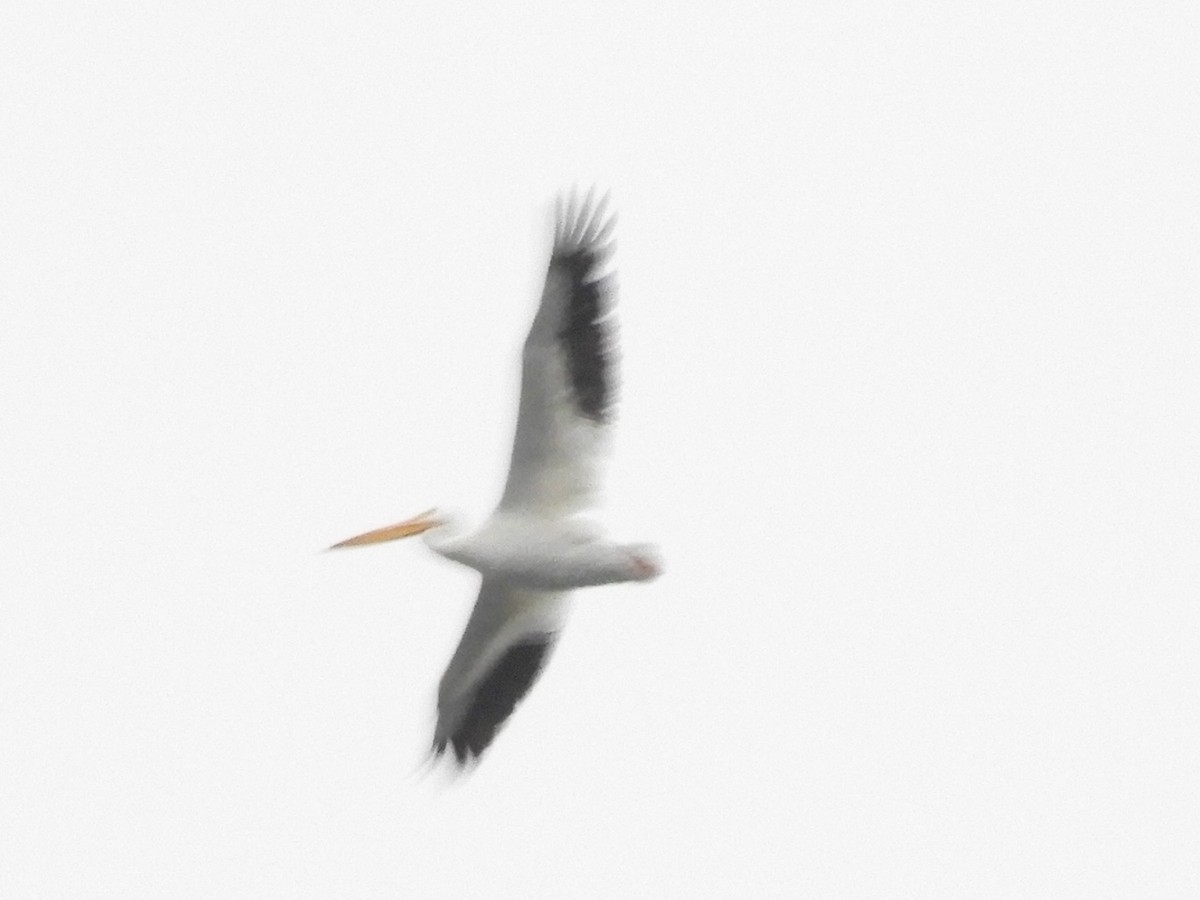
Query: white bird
x=535, y=547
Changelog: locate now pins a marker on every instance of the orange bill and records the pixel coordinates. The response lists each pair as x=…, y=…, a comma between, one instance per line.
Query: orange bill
x=407, y=528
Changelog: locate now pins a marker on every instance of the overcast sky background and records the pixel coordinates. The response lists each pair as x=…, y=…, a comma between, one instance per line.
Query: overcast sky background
x=910, y=400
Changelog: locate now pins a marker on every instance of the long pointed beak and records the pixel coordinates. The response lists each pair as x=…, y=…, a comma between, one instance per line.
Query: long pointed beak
x=407, y=528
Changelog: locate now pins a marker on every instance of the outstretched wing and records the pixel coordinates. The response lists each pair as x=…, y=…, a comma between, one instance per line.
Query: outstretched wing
x=506, y=643
x=568, y=370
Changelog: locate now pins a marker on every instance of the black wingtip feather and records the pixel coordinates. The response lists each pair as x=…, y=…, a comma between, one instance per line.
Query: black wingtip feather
x=495, y=699
x=581, y=250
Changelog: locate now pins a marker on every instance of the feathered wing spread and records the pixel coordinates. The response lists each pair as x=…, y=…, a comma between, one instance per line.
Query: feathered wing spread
x=568, y=370
x=534, y=548
x=506, y=643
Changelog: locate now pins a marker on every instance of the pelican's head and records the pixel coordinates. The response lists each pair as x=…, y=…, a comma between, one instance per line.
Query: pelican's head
x=416, y=525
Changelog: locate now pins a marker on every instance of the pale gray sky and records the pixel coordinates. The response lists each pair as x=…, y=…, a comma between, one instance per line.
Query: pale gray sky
x=909, y=319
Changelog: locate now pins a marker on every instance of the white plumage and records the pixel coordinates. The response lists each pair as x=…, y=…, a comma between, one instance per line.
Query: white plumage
x=535, y=547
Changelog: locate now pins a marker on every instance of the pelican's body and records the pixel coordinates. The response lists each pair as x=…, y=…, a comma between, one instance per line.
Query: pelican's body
x=546, y=555
x=536, y=547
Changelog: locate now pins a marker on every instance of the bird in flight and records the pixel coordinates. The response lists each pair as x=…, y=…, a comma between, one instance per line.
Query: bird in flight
x=536, y=547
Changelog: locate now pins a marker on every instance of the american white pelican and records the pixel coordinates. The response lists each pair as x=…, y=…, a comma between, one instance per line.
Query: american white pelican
x=534, y=548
